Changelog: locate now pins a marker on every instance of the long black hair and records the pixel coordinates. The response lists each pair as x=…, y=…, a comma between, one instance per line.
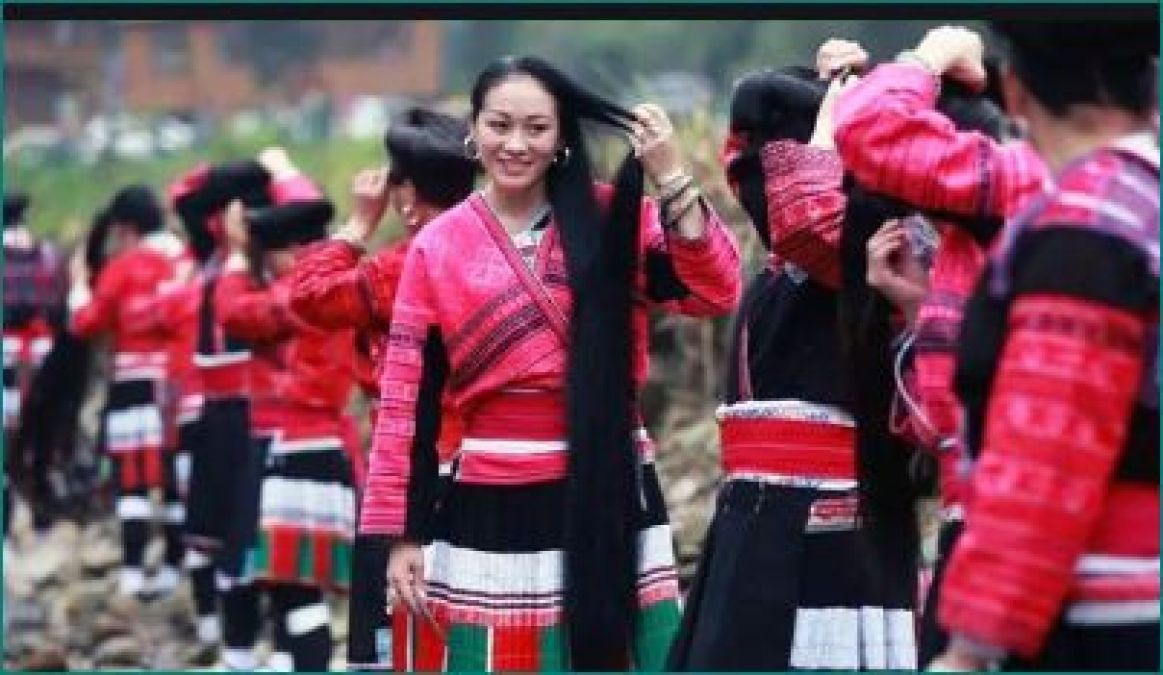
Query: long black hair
x=892, y=475
x=602, y=511
x=426, y=149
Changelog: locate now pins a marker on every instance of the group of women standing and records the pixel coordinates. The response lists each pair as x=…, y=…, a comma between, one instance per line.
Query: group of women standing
x=943, y=304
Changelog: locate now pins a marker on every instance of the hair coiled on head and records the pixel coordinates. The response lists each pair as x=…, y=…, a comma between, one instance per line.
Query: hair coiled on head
x=426, y=149
x=602, y=510
x=769, y=105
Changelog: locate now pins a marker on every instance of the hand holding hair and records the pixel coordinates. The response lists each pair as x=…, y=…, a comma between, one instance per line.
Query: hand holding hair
x=955, y=51
x=837, y=54
x=370, y=200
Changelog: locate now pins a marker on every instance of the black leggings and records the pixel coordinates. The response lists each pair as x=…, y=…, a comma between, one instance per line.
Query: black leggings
x=310, y=649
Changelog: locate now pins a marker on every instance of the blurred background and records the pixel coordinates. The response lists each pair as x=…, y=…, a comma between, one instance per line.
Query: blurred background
x=140, y=100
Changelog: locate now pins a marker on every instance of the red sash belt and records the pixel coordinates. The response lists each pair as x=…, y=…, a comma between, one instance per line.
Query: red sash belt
x=797, y=448
x=518, y=438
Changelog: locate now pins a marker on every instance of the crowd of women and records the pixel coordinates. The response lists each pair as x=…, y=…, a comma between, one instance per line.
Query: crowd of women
x=955, y=301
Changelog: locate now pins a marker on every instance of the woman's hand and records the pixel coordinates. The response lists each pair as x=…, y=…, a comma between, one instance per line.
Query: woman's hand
x=954, y=51
x=652, y=138
x=369, y=193
x=277, y=162
x=894, y=270
x=955, y=661
x=836, y=55
x=406, y=576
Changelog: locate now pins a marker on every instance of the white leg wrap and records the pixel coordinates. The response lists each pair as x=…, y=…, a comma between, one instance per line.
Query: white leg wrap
x=134, y=507
x=195, y=559
x=307, y=618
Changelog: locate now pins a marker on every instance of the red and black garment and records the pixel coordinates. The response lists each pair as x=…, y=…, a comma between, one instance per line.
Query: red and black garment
x=215, y=390
x=122, y=304
x=297, y=519
x=1059, y=373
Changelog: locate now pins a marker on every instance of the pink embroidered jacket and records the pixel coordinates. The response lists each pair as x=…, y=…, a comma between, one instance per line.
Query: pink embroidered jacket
x=459, y=282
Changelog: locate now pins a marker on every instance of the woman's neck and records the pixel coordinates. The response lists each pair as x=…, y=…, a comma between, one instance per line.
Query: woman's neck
x=1067, y=139
x=515, y=210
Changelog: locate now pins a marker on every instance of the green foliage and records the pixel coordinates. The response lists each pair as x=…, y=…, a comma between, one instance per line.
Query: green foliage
x=66, y=196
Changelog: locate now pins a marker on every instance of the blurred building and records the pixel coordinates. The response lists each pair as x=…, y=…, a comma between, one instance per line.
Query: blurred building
x=49, y=65
x=210, y=67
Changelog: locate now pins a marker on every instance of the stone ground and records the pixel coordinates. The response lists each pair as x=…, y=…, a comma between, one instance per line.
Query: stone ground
x=62, y=610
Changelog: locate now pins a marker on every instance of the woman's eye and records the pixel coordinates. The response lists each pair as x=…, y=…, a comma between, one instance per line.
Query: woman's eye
x=538, y=129
x=498, y=125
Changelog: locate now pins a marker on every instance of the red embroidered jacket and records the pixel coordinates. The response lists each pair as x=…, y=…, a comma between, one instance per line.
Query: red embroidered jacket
x=1059, y=372
x=301, y=376
x=894, y=142
x=122, y=304
x=333, y=287
x=460, y=285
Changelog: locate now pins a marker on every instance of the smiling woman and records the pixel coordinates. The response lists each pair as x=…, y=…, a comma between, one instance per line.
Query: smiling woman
x=525, y=304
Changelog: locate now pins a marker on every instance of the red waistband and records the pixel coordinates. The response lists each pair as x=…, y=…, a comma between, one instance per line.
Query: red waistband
x=788, y=447
x=1129, y=524
x=232, y=380
x=294, y=422
x=516, y=438
x=534, y=416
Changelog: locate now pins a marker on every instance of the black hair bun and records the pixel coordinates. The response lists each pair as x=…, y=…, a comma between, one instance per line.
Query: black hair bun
x=299, y=222
x=775, y=104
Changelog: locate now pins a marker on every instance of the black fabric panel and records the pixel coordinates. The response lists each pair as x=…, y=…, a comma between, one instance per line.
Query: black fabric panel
x=662, y=282
x=1085, y=264
x=522, y=519
x=423, y=484
x=793, y=342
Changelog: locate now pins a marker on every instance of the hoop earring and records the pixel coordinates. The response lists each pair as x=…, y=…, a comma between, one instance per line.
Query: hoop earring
x=561, y=157
x=470, y=148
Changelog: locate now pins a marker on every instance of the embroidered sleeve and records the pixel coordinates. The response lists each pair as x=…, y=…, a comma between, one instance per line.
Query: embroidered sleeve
x=402, y=464
x=893, y=141
x=705, y=270
x=1056, y=420
x=251, y=313
x=805, y=207
x=332, y=287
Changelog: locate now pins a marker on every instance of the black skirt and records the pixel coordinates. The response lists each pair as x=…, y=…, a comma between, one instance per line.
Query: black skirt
x=780, y=587
x=218, y=443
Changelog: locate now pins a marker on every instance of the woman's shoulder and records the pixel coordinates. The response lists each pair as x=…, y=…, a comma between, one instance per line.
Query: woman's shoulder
x=455, y=230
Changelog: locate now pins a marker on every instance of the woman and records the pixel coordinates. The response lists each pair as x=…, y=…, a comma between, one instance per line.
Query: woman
x=1058, y=565
x=119, y=304
x=335, y=287
x=777, y=586
x=212, y=387
x=912, y=130
x=290, y=533
x=551, y=548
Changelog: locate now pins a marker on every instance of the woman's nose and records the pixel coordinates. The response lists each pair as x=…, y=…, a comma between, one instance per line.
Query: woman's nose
x=515, y=142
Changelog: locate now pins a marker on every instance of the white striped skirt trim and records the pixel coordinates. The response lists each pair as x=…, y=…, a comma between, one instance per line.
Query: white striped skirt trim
x=307, y=505
x=844, y=638
x=132, y=429
x=490, y=588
